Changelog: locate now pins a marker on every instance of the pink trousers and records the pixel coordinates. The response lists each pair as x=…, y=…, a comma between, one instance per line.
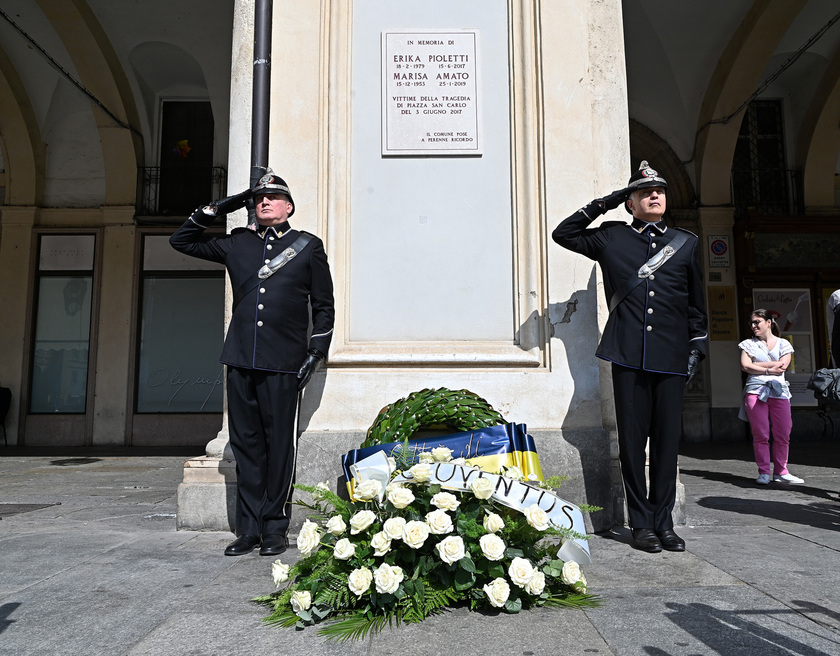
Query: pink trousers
x=761, y=415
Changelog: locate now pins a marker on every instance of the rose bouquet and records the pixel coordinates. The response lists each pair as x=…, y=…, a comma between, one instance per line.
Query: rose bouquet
x=414, y=549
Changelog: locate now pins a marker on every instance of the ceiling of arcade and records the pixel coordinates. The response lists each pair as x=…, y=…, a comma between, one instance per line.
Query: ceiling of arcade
x=693, y=66
x=81, y=83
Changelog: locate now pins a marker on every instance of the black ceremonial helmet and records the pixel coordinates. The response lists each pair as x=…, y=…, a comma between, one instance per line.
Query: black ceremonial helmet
x=273, y=184
x=644, y=177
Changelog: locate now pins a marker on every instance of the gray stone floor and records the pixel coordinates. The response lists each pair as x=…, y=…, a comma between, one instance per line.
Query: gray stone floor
x=91, y=563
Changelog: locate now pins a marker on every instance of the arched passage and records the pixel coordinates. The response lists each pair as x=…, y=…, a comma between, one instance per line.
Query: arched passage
x=736, y=76
x=99, y=71
x=819, y=141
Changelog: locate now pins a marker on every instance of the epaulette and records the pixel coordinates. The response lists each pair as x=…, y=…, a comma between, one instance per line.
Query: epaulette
x=688, y=231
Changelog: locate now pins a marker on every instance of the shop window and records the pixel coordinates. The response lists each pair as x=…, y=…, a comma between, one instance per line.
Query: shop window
x=61, y=346
x=181, y=332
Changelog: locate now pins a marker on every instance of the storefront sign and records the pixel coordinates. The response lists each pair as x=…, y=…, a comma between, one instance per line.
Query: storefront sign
x=430, y=103
x=723, y=315
x=791, y=308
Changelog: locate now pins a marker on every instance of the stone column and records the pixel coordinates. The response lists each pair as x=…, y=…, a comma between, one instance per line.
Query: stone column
x=16, y=249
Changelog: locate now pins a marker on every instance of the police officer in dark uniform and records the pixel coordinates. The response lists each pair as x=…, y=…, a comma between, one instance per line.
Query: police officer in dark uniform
x=655, y=338
x=277, y=274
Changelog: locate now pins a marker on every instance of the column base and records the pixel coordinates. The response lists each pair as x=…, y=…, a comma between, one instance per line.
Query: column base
x=206, y=498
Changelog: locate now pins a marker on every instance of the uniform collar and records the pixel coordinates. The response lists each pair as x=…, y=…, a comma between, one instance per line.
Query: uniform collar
x=265, y=232
x=639, y=225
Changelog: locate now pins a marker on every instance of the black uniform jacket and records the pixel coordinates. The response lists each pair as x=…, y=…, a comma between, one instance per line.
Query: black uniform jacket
x=664, y=318
x=270, y=324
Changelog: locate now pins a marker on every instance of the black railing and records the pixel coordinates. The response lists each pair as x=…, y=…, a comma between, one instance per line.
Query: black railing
x=175, y=191
x=775, y=192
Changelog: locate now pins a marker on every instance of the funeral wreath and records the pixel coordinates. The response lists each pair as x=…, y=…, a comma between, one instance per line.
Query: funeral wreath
x=410, y=548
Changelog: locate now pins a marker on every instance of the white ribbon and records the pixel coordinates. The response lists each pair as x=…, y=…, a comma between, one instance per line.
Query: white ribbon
x=510, y=493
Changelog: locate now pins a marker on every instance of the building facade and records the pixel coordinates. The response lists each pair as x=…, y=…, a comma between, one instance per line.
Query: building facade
x=117, y=118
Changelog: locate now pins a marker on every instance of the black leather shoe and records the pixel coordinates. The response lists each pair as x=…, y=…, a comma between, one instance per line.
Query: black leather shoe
x=646, y=540
x=670, y=540
x=242, y=545
x=274, y=544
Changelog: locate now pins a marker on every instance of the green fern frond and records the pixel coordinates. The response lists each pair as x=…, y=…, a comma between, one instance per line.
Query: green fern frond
x=356, y=627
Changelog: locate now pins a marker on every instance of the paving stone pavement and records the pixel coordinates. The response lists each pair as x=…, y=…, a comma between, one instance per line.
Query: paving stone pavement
x=91, y=563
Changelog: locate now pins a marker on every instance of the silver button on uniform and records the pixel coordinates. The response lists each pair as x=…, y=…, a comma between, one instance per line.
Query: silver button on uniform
x=268, y=247
x=649, y=328
x=650, y=310
x=262, y=291
x=260, y=307
x=259, y=323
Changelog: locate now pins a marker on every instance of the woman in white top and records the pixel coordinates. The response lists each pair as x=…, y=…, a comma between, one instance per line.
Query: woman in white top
x=765, y=357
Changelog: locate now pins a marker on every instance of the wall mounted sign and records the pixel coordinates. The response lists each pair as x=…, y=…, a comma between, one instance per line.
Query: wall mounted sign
x=430, y=93
x=723, y=313
x=719, y=251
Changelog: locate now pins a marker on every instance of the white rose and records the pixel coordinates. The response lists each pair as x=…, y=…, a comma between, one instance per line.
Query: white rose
x=536, y=517
x=451, y=549
x=309, y=539
x=536, y=585
x=388, y=578
x=493, y=523
x=359, y=581
x=445, y=501
x=482, y=488
x=459, y=461
x=439, y=522
x=421, y=472
x=425, y=458
x=336, y=525
x=400, y=496
x=279, y=572
x=361, y=520
x=514, y=473
x=344, y=549
x=442, y=454
x=571, y=573
x=497, y=592
x=368, y=490
x=520, y=571
x=321, y=488
x=381, y=544
x=415, y=533
x=492, y=546
x=301, y=600
x=394, y=527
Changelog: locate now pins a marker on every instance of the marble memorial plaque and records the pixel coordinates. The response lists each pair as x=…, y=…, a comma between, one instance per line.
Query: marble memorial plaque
x=430, y=103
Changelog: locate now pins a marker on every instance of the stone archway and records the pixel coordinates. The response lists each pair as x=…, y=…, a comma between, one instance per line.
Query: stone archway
x=737, y=74
x=819, y=143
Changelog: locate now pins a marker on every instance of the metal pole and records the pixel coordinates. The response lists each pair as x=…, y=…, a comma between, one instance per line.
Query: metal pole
x=261, y=98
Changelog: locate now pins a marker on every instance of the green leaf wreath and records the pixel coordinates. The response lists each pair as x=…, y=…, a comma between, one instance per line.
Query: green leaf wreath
x=459, y=410
x=415, y=549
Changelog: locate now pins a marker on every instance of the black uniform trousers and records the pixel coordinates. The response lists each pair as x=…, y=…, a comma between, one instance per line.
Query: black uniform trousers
x=263, y=437
x=648, y=404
